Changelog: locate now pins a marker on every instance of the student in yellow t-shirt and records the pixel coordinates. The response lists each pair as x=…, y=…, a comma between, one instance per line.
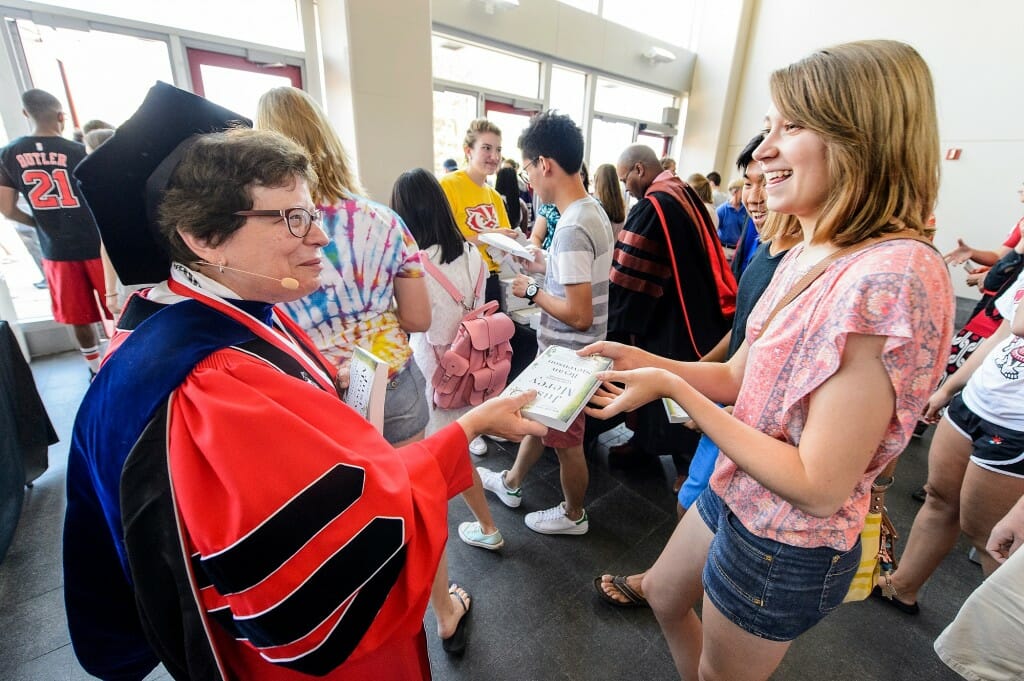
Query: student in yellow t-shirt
x=478, y=209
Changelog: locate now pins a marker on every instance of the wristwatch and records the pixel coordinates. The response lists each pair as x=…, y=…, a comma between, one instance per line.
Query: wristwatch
x=531, y=290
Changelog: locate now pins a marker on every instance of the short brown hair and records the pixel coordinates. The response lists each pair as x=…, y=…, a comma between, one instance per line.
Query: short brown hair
x=215, y=179
x=873, y=104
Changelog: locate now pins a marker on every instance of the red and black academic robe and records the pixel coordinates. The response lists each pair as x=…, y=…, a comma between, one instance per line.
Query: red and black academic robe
x=646, y=299
x=270, y=532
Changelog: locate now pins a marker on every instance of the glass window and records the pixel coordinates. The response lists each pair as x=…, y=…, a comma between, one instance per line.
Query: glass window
x=512, y=122
x=630, y=101
x=669, y=21
x=452, y=113
x=238, y=91
x=267, y=22
x=585, y=5
x=658, y=143
x=76, y=67
x=461, y=62
x=608, y=139
x=568, y=92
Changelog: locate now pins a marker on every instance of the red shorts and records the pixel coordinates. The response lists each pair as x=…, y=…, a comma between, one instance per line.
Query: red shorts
x=75, y=286
x=570, y=438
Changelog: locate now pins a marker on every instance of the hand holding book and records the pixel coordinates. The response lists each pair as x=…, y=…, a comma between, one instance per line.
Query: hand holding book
x=562, y=382
x=624, y=357
x=638, y=387
x=502, y=416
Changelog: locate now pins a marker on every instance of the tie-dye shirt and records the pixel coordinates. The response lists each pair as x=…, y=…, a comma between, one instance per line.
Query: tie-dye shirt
x=370, y=246
x=898, y=289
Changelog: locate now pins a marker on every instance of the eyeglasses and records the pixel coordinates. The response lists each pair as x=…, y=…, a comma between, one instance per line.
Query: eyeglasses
x=623, y=179
x=299, y=220
x=526, y=166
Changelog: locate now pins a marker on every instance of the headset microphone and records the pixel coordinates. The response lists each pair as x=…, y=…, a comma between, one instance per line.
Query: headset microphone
x=287, y=282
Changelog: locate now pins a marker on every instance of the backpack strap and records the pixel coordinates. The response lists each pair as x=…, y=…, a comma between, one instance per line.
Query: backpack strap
x=478, y=290
x=434, y=271
x=801, y=285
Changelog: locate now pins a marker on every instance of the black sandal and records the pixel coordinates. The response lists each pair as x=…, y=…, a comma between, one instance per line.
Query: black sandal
x=456, y=643
x=633, y=598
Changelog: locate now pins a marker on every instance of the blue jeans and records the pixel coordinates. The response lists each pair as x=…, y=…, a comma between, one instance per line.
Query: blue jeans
x=772, y=590
x=699, y=474
x=405, y=407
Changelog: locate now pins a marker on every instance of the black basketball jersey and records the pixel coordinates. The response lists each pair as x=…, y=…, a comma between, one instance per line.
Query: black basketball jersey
x=41, y=169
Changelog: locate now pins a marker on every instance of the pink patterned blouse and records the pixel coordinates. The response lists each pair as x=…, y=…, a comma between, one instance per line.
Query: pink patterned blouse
x=898, y=289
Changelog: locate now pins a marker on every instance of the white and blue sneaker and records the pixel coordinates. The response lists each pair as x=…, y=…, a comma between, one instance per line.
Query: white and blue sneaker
x=471, y=533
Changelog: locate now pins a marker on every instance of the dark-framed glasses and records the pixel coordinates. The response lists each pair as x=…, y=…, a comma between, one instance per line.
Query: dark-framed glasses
x=523, y=175
x=299, y=220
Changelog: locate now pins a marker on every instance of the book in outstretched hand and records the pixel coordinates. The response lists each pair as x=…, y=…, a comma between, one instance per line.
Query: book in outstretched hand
x=368, y=386
x=675, y=413
x=564, y=382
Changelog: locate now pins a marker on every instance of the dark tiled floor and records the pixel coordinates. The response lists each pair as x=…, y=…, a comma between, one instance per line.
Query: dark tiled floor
x=535, y=616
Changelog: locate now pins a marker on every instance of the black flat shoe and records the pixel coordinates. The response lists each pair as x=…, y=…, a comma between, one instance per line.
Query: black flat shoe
x=905, y=608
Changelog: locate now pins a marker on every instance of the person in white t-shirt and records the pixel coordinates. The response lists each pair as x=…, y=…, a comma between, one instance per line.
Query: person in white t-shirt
x=976, y=459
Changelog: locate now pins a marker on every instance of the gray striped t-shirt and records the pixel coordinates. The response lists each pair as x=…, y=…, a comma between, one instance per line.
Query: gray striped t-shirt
x=581, y=251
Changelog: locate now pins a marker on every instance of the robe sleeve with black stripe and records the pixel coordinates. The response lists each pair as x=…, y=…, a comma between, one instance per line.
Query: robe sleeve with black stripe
x=313, y=542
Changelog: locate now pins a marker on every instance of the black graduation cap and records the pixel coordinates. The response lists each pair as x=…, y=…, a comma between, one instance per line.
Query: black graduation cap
x=123, y=181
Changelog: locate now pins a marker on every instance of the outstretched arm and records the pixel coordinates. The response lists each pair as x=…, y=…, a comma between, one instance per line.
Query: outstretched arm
x=817, y=475
x=962, y=253
x=717, y=381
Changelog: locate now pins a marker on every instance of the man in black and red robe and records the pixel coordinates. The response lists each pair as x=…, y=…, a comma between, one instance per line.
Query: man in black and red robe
x=671, y=292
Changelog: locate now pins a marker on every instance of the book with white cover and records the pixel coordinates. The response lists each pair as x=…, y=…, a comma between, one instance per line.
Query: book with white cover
x=368, y=386
x=507, y=244
x=675, y=413
x=564, y=382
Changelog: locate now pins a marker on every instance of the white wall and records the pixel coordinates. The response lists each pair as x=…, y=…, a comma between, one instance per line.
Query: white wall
x=378, y=86
x=720, y=41
x=973, y=53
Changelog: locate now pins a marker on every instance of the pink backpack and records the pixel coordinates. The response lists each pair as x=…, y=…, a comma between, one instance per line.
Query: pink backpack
x=475, y=367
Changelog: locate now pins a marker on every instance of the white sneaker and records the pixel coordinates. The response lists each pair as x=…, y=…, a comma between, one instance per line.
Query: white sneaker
x=478, y=446
x=554, y=521
x=495, y=482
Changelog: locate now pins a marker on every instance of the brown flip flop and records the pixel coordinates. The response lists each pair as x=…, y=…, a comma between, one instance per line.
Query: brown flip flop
x=633, y=599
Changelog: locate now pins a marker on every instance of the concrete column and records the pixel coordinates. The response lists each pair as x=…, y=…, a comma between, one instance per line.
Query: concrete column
x=721, y=45
x=378, y=85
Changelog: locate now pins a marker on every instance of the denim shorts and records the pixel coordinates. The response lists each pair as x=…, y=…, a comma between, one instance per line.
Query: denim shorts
x=772, y=590
x=405, y=407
